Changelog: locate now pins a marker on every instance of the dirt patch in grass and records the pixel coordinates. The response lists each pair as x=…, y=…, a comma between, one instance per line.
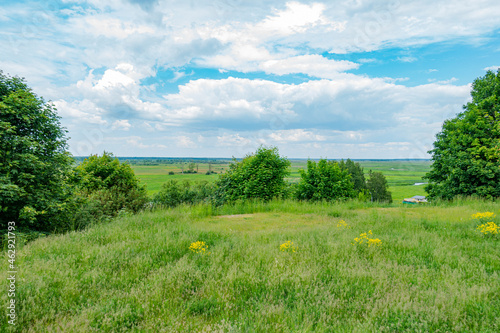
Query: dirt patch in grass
x=236, y=215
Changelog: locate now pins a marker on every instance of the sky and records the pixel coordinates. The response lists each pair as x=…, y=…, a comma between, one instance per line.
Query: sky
x=317, y=79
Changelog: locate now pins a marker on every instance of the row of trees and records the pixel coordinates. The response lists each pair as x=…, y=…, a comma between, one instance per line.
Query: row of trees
x=262, y=176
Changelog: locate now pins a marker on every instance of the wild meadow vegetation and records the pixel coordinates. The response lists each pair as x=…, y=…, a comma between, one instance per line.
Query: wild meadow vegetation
x=281, y=266
x=261, y=244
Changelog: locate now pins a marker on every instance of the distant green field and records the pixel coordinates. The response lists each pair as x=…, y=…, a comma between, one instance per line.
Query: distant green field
x=155, y=175
x=401, y=175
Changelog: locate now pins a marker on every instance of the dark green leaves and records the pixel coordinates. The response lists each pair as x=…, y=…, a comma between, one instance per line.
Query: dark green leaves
x=34, y=163
x=257, y=176
x=466, y=154
x=324, y=180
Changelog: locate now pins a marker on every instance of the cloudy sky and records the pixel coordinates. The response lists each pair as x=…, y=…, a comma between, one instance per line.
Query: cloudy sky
x=218, y=78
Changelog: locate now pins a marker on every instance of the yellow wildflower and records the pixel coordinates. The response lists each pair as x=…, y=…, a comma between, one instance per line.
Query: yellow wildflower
x=365, y=239
x=288, y=246
x=199, y=247
x=489, y=228
x=483, y=216
x=342, y=225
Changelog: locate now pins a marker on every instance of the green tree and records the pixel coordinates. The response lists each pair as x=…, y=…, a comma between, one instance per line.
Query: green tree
x=324, y=180
x=466, y=154
x=357, y=174
x=258, y=176
x=34, y=161
x=108, y=186
x=378, y=187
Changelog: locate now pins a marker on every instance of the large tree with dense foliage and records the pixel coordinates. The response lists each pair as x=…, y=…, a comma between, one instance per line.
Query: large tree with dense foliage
x=34, y=161
x=258, y=176
x=324, y=180
x=466, y=154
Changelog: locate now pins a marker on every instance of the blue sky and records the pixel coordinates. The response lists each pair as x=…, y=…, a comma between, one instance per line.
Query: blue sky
x=335, y=79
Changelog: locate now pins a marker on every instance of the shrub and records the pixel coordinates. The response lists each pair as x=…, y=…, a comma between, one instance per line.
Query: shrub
x=106, y=186
x=174, y=193
x=257, y=176
x=324, y=181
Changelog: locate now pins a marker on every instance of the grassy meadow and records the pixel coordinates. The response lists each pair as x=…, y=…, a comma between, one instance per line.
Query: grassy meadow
x=401, y=175
x=432, y=272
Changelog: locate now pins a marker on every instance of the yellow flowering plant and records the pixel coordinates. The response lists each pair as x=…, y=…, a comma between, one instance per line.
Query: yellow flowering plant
x=288, y=247
x=483, y=216
x=490, y=228
x=199, y=248
x=343, y=225
x=487, y=226
x=365, y=239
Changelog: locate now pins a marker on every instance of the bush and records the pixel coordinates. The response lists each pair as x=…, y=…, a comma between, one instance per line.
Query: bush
x=105, y=186
x=257, y=176
x=174, y=193
x=324, y=181
x=171, y=173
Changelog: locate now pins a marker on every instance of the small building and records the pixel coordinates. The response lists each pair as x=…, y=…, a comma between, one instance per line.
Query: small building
x=415, y=199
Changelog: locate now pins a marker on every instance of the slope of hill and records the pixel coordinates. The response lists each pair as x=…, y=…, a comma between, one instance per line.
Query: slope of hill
x=431, y=271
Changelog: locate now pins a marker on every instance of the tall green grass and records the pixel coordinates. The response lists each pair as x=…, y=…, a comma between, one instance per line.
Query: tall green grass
x=433, y=271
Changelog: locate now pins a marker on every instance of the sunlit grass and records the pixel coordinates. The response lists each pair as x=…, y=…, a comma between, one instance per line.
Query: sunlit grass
x=433, y=271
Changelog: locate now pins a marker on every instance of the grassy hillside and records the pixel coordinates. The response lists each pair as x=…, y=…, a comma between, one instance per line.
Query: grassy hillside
x=432, y=272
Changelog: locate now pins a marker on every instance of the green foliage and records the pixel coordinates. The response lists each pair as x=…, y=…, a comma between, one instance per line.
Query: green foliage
x=174, y=193
x=357, y=175
x=107, y=186
x=34, y=162
x=378, y=188
x=466, y=154
x=324, y=180
x=257, y=176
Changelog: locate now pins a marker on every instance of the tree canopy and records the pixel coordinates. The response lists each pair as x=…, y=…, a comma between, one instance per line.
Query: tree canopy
x=357, y=174
x=324, y=180
x=34, y=161
x=466, y=154
x=108, y=186
x=378, y=187
x=258, y=176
